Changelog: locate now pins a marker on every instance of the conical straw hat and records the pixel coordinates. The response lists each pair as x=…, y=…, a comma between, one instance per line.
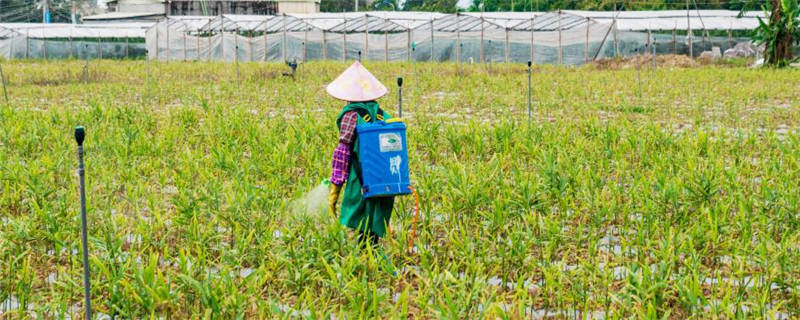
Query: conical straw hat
x=356, y=84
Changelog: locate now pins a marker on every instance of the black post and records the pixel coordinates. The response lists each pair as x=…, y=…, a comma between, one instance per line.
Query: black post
x=359, y=55
x=529, y=90
x=79, y=135
x=400, y=97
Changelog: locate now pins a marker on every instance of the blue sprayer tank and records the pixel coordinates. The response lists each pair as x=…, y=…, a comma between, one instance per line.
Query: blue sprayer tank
x=384, y=159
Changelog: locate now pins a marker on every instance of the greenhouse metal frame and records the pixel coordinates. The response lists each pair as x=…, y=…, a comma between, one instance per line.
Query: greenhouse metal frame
x=560, y=37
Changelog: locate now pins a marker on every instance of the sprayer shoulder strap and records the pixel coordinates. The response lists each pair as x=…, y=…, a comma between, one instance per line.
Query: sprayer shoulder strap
x=364, y=114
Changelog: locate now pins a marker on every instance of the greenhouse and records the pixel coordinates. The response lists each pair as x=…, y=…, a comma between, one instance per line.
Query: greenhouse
x=80, y=41
x=561, y=37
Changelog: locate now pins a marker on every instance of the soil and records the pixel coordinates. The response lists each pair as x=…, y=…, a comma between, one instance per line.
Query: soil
x=664, y=61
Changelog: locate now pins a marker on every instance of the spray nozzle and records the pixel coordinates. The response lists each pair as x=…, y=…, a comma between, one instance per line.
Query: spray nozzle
x=80, y=133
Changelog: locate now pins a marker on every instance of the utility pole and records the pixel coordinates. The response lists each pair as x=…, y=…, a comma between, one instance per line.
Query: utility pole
x=356, y=5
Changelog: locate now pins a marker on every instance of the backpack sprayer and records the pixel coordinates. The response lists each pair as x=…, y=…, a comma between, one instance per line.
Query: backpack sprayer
x=384, y=165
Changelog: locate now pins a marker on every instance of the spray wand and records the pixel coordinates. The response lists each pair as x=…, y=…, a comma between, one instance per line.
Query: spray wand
x=413, y=192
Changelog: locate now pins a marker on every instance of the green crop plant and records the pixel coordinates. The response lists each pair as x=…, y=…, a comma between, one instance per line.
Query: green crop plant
x=680, y=204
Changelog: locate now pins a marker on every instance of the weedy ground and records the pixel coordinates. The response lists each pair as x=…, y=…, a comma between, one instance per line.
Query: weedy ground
x=679, y=199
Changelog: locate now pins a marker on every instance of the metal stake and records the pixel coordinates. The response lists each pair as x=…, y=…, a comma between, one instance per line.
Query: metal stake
x=80, y=133
x=530, y=63
x=399, y=97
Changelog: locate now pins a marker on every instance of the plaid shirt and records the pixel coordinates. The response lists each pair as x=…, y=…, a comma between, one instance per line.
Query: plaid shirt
x=341, y=155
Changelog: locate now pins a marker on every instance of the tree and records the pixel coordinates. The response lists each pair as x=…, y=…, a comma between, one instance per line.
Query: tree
x=622, y=5
x=31, y=11
x=445, y=6
x=385, y=5
x=340, y=5
x=363, y=5
x=782, y=30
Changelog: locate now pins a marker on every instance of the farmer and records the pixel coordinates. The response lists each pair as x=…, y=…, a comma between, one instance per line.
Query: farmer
x=370, y=217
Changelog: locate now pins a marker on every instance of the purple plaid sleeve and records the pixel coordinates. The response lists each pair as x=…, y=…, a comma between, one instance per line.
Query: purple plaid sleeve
x=341, y=161
x=341, y=155
x=347, y=128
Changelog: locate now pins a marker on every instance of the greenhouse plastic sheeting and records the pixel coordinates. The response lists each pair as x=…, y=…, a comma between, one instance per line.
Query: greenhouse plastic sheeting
x=62, y=41
x=565, y=37
x=382, y=37
x=676, y=19
x=27, y=48
x=64, y=30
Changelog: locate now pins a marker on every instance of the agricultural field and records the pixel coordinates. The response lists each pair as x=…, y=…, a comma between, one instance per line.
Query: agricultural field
x=630, y=193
